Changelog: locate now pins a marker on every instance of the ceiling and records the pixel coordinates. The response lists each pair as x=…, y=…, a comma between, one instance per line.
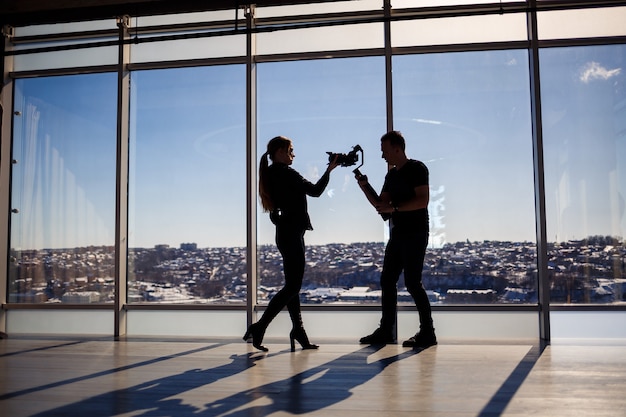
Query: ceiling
x=27, y=12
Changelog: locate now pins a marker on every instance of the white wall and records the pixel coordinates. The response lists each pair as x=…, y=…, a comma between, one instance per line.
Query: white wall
x=343, y=326
x=60, y=322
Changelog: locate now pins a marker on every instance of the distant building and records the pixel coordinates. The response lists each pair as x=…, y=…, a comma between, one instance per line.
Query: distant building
x=189, y=246
x=82, y=297
x=462, y=296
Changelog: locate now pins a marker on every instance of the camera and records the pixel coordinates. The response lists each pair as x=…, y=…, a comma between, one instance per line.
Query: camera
x=351, y=158
x=346, y=159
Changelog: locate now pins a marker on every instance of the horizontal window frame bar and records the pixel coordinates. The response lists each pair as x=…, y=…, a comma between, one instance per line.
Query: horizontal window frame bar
x=186, y=63
x=319, y=307
x=57, y=306
x=99, y=69
x=303, y=56
x=461, y=47
x=587, y=307
x=571, y=42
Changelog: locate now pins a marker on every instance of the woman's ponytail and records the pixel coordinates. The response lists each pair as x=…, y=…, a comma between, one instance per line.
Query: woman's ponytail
x=279, y=142
x=266, y=200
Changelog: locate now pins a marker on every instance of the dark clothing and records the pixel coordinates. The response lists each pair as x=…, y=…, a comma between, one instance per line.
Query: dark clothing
x=404, y=252
x=406, y=247
x=288, y=190
x=400, y=184
x=291, y=247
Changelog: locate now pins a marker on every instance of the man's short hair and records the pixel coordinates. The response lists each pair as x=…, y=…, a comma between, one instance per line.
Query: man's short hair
x=395, y=138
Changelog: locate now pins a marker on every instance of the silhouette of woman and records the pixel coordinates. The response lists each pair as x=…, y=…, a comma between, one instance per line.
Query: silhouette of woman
x=283, y=194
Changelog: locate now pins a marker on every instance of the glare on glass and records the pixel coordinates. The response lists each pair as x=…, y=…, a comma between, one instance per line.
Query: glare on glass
x=63, y=190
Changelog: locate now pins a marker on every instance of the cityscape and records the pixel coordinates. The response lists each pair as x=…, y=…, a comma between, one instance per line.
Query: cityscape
x=583, y=271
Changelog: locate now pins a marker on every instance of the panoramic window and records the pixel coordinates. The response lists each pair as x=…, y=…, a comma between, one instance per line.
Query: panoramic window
x=187, y=175
x=583, y=95
x=327, y=106
x=63, y=190
x=467, y=117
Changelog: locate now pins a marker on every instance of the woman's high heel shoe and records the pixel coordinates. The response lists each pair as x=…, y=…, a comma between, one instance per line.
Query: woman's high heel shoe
x=300, y=335
x=256, y=333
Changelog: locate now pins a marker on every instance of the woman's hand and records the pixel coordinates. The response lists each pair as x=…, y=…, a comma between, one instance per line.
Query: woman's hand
x=333, y=164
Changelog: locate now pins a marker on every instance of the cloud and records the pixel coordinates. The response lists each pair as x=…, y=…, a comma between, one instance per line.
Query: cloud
x=432, y=122
x=594, y=71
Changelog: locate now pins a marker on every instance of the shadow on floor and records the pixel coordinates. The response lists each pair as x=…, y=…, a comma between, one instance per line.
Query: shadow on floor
x=310, y=390
x=501, y=399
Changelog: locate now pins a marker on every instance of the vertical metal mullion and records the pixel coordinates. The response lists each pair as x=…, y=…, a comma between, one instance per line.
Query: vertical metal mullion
x=6, y=101
x=389, y=96
x=251, y=176
x=388, y=69
x=538, y=161
x=121, y=189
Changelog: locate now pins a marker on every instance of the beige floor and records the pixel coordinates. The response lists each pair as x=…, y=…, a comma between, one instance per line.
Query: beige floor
x=93, y=378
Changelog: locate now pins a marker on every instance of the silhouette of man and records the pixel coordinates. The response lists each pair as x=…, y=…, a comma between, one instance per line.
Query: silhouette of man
x=404, y=201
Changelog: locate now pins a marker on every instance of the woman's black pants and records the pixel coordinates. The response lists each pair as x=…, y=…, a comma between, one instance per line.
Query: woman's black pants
x=291, y=246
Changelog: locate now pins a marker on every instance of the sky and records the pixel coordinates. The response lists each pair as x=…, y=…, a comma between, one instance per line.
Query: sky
x=466, y=115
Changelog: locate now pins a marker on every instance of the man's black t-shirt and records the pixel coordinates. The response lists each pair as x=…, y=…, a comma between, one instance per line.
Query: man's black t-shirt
x=400, y=184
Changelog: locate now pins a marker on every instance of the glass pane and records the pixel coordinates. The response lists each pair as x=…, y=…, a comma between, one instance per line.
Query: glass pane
x=185, y=18
x=400, y=4
x=467, y=117
x=327, y=106
x=459, y=30
x=331, y=38
x=65, y=59
x=582, y=23
x=36, y=30
x=318, y=8
x=195, y=46
x=200, y=48
x=63, y=190
x=583, y=109
x=187, y=214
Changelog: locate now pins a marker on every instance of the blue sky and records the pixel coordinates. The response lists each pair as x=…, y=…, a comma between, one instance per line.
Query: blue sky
x=466, y=115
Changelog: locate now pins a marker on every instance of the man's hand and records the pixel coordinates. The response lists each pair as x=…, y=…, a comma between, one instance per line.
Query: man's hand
x=384, y=207
x=362, y=180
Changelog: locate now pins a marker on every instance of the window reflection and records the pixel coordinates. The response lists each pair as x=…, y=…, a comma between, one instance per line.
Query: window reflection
x=583, y=109
x=63, y=190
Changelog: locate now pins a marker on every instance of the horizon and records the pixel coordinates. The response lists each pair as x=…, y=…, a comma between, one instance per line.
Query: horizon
x=273, y=245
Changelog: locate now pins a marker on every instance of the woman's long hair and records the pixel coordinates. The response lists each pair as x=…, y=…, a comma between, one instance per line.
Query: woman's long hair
x=279, y=142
